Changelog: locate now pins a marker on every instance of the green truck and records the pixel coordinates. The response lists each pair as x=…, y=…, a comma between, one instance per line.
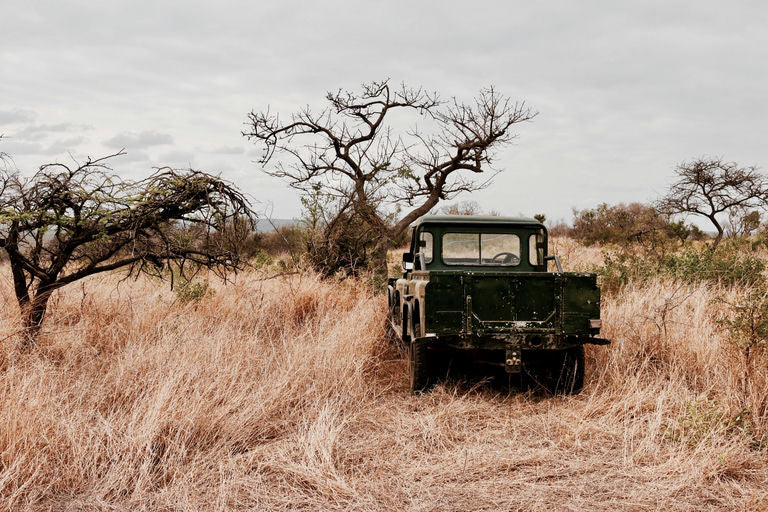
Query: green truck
x=476, y=290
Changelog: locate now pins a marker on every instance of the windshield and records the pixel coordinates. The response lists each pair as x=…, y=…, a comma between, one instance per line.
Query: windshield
x=497, y=249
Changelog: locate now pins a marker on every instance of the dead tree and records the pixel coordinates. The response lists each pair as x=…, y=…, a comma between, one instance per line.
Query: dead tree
x=710, y=187
x=66, y=223
x=352, y=151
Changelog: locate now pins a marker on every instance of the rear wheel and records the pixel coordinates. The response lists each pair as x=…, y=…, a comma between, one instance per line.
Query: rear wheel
x=573, y=370
x=556, y=371
x=421, y=371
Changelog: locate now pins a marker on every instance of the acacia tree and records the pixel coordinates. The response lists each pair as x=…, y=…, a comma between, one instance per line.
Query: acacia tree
x=710, y=187
x=351, y=151
x=65, y=223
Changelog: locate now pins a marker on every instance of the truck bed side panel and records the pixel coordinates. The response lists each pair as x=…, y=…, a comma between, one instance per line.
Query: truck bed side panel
x=444, y=308
x=581, y=302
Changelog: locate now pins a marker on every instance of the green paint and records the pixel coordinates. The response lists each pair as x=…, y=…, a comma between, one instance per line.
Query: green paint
x=470, y=300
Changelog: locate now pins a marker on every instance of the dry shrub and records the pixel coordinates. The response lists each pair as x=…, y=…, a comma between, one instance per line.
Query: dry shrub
x=575, y=255
x=284, y=394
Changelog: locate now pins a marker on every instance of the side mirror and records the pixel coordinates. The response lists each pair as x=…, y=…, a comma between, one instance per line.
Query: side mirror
x=407, y=261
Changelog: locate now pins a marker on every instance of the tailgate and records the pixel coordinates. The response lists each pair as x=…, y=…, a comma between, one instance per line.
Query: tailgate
x=561, y=303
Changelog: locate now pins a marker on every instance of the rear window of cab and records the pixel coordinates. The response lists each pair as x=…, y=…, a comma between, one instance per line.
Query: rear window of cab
x=488, y=249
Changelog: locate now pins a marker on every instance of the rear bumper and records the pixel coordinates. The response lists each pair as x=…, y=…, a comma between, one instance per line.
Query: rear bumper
x=513, y=352
x=509, y=341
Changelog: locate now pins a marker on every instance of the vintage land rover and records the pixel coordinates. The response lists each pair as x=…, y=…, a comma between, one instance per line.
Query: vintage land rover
x=476, y=291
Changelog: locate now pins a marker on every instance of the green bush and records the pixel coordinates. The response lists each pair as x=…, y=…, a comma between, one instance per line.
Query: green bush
x=722, y=266
x=730, y=264
x=627, y=224
x=705, y=420
x=192, y=291
x=261, y=259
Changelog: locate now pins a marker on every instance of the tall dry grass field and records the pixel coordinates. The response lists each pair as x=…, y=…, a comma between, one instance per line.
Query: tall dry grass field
x=286, y=395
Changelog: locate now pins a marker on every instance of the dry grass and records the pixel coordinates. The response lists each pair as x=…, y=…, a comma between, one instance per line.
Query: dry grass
x=285, y=394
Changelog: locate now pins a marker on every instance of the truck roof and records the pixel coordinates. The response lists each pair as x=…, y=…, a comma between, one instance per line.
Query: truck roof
x=476, y=219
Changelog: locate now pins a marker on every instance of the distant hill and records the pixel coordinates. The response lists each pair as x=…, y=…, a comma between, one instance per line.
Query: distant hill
x=267, y=225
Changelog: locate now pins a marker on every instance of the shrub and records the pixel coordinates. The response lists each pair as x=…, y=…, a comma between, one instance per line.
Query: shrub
x=561, y=229
x=192, y=291
x=728, y=265
x=340, y=237
x=623, y=224
x=284, y=239
x=747, y=327
x=723, y=266
x=705, y=420
x=343, y=246
x=261, y=259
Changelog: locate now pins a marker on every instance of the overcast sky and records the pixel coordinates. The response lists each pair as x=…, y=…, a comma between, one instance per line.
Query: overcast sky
x=623, y=93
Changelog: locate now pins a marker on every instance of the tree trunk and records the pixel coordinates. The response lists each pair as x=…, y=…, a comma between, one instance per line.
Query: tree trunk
x=33, y=313
x=379, y=257
x=719, y=233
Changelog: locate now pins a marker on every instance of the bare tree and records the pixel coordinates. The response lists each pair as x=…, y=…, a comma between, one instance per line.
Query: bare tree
x=742, y=222
x=4, y=157
x=461, y=208
x=710, y=187
x=351, y=150
x=66, y=223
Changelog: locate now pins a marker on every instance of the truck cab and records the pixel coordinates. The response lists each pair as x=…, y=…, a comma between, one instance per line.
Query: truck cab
x=462, y=242
x=478, y=288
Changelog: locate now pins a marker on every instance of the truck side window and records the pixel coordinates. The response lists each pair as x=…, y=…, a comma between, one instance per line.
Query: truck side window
x=536, y=249
x=533, y=253
x=425, y=246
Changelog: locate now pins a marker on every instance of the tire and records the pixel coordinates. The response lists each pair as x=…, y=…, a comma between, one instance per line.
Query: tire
x=572, y=375
x=392, y=301
x=421, y=373
x=405, y=326
x=558, y=372
x=415, y=325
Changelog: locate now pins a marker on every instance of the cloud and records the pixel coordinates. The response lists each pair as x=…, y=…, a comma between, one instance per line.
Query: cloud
x=133, y=156
x=177, y=158
x=16, y=115
x=64, y=145
x=228, y=150
x=39, y=131
x=20, y=147
x=625, y=92
x=15, y=146
x=141, y=140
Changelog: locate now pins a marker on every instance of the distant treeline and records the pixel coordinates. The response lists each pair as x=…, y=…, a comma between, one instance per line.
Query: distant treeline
x=624, y=223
